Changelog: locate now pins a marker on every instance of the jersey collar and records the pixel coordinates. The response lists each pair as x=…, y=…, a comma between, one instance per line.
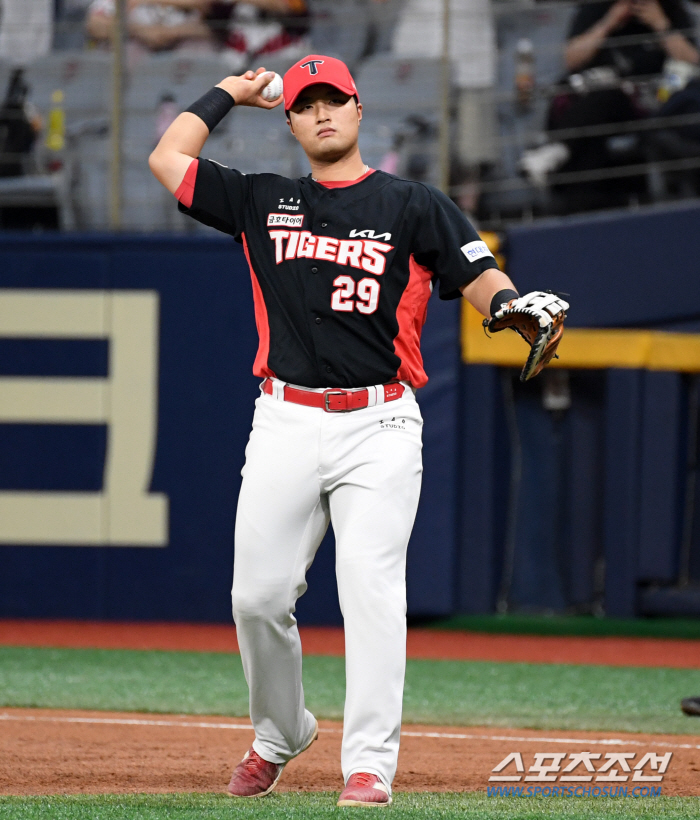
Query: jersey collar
x=345, y=183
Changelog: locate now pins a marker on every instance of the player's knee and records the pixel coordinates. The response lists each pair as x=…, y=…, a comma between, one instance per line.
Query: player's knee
x=262, y=604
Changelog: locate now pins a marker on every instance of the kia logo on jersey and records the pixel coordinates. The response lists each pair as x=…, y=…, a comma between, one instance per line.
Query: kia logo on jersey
x=312, y=66
x=370, y=234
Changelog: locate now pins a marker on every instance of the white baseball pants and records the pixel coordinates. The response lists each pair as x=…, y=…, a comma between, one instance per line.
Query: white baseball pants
x=304, y=467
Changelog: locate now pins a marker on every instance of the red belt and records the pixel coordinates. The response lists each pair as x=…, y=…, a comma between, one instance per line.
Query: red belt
x=336, y=400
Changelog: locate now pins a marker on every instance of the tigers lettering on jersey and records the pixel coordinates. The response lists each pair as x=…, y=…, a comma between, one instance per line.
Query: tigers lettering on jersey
x=363, y=254
x=340, y=298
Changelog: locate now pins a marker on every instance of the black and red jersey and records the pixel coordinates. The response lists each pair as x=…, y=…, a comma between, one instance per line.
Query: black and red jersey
x=342, y=272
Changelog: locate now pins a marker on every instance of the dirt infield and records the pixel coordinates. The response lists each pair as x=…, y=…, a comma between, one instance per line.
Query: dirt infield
x=422, y=643
x=61, y=752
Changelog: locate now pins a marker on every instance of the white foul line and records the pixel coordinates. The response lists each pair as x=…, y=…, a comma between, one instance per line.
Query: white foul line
x=608, y=741
x=124, y=721
x=444, y=735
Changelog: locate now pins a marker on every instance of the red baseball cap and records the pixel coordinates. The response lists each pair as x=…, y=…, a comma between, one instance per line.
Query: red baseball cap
x=314, y=69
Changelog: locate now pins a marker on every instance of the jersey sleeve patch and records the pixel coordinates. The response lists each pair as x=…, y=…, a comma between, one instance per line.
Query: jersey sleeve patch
x=475, y=250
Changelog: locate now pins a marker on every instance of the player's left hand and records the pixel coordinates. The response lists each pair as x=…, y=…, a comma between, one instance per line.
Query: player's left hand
x=539, y=318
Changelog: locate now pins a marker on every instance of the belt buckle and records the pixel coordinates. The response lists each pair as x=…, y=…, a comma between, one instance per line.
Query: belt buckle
x=326, y=399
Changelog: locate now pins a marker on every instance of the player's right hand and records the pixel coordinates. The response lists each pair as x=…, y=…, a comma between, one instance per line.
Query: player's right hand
x=246, y=89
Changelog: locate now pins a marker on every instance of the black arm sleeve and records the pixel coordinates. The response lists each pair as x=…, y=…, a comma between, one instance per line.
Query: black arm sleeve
x=220, y=194
x=447, y=244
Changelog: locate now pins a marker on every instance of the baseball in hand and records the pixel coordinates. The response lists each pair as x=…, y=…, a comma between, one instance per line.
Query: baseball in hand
x=273, y=89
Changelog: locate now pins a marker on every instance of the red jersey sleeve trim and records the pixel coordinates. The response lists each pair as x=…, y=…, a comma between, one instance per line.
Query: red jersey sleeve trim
x=185, y=193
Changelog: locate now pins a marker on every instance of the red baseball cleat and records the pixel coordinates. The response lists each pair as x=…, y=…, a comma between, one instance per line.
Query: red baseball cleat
x=255, y=777
x=364, y=789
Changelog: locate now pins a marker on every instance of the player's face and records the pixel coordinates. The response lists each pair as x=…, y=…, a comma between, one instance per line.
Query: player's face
x=325, y=121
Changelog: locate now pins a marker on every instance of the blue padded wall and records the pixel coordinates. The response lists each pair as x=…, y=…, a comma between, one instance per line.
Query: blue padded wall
x=207, y=343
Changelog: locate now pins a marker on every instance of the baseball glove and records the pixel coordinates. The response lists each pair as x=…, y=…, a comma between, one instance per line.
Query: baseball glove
x=539, y=318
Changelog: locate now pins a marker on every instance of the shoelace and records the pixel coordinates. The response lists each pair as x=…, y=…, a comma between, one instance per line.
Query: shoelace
x=253, y=761
x=363, y=779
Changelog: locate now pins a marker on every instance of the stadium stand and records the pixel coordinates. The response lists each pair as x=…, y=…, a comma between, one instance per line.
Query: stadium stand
x=401, y=98
x=401, y=101
x=340, y=29
x=83, y=76
x=180, y=78
x=545, y=28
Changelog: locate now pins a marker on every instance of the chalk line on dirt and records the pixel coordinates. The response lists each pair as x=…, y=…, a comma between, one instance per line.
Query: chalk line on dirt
x=247, y=726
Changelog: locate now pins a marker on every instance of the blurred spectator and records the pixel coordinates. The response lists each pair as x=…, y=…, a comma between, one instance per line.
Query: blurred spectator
x=26, y=30
x=412, y=150
x=611, y=47
x=472, y=48
x=595, y=38
x=69, y=29
x=20, y=123
x=157, y=25
x=682, y=82
x=382, y=17
x=166, y=114
x=250, y=31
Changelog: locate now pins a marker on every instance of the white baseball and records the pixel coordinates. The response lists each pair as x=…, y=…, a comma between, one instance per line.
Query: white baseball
x=273, y=89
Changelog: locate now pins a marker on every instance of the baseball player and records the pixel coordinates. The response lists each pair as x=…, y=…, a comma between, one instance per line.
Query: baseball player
x=343, y=263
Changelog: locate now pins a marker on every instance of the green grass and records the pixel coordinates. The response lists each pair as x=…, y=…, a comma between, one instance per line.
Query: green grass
x=322, y=805
x=688, y=628
x=552, y=696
